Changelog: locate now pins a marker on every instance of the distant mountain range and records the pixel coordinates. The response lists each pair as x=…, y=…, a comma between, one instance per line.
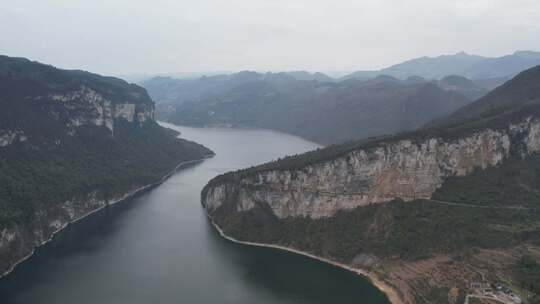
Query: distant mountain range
x=470, y=66
x=178, y=91
x=326, y=112
x=303, y=75
x=484, y=70
x=320, y=108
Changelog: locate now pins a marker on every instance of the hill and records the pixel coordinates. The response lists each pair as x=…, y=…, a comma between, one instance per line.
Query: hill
x=327, y=112
x=427, y=212
x=167, y=90
x=72, y=142
x=512, y=96
x=307, y=76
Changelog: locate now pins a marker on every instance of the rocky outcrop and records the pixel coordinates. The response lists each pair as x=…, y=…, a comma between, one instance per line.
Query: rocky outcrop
x=87, y=106
x=9, y=137
x=367, y=204
x=403, y=169
x=19, y=241
x=72, y=142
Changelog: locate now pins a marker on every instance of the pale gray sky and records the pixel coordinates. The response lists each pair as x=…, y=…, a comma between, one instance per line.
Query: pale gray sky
x=165, y=36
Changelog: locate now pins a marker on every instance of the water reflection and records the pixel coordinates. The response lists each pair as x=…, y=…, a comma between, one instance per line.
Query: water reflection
x=160, y=248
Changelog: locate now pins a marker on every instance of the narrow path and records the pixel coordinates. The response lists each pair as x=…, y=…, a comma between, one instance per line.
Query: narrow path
x=483, y=297
x=338, y=193
x=481, y=206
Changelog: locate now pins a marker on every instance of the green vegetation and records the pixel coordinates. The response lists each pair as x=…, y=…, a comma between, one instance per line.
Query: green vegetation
x=60, y=154
x=515, y=183
x=494, y=111
x=411, y=230
x=92, y=161
x=528, y=273
x=521, y=91
x=22, y=76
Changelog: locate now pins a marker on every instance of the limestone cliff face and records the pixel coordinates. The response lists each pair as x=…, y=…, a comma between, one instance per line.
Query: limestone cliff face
x=48, y=126
x=20, y=240
x=97, y=109
x=85, y=106
x=72, y=110
x=9, y=137
x=90, y=107
x=403, y=169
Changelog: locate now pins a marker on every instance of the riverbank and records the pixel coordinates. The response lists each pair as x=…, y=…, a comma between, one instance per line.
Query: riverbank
x=390, y=292
x=105, y=204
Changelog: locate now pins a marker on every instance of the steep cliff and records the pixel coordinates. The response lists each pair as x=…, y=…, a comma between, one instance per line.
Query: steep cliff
x=72, y=142
x=436, y=192
x=405, y=169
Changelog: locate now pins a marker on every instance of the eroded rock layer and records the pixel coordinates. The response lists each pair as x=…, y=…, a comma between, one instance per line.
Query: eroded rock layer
x=403, y=169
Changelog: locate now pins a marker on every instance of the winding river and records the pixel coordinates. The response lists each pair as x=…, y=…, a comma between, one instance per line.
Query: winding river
x=159, y=247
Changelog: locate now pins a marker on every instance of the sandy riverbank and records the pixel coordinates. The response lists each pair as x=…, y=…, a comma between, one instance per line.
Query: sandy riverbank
x=389, y=291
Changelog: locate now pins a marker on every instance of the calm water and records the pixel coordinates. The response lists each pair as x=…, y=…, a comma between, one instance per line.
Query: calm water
x=159, y=247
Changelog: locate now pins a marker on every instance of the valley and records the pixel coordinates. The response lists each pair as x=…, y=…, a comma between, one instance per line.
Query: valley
x=270, y=152
x=441, y=199
x=73, y=143
x=426, y=191
x=161, y=242
x=400, y=98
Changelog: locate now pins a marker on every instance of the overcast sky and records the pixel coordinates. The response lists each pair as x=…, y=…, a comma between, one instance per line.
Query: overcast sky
x=168, y=36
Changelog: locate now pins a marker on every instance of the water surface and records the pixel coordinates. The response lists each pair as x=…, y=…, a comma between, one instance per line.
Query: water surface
x=160, y=248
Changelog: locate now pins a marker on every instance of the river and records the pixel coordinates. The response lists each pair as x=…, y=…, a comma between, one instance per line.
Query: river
x=160, y=248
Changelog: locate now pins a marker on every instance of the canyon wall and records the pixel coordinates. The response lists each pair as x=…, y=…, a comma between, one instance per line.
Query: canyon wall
x=72, y=142
x=20, y=241
x=74, y=109
x=403, y=169
x=86, y=106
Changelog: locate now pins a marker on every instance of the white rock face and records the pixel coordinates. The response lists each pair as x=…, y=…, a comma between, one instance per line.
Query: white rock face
x=9, y=137
x=18, y=241
x=90, y=107
x=6, y=236
x=404, y=169
x=125, y=111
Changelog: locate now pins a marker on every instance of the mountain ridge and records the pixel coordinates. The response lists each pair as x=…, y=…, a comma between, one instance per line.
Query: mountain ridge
x=328, y=112
x=71, y=143
x=463, y=64
x=440, y=202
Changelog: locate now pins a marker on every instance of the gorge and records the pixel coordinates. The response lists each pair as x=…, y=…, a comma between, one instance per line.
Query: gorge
x=71, y=143
x=159, y=247
x=445, y=196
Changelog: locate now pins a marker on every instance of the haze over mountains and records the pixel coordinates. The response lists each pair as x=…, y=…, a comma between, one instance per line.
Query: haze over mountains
x=392, y=146
x=425, y=211
x=178, y=91
x=455, y=173
x=399, y=98
x=463, y=64
x=328, y=112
